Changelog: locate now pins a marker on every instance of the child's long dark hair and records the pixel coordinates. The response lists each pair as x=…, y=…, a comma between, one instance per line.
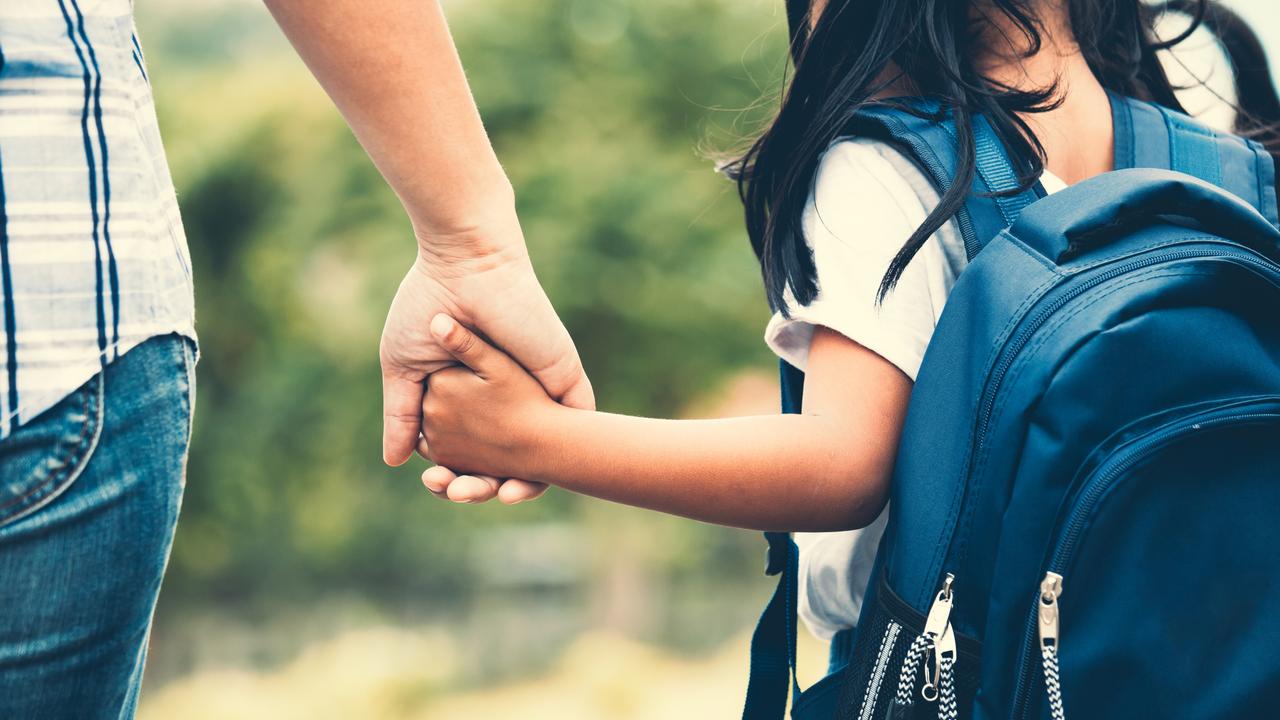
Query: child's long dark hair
x=839, y=67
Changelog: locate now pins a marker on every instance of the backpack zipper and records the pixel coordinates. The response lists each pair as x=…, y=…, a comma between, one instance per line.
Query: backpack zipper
x=905, y=620
x=1050, y=591
x=936, y=626
x=909, y=618
x=871, y=697
x=1094, y=489
x=1028, y=329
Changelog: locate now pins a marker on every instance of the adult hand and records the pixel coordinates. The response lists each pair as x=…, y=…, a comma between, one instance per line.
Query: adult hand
x=392, y=69
x=483, y=278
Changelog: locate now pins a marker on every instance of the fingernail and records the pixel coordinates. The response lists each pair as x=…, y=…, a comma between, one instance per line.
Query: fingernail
x=441, y=325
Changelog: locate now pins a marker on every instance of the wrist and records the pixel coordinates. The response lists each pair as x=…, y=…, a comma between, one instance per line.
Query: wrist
x=468, y=253
x=542, y=447
x=465, y=230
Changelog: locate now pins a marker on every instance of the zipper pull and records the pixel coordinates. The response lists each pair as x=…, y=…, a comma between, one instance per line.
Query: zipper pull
x=1050, y=591
x=947, y=644
x=940, y=611
x=937, y=627
x=943, y=649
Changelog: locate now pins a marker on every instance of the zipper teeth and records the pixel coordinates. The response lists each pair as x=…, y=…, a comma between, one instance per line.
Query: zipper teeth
x=887, y=644
x=1094, y=490
x=1010, y=352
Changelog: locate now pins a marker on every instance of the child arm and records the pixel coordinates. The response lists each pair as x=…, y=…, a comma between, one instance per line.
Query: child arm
x=825, y=469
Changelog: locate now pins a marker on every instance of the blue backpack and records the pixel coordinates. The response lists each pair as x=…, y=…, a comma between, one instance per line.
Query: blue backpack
x=1085, y=511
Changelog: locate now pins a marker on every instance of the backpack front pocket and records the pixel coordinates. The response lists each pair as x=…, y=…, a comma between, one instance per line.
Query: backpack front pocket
x=1144, y=599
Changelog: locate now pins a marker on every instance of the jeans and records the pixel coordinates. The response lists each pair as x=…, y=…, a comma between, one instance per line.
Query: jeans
x=89, y=497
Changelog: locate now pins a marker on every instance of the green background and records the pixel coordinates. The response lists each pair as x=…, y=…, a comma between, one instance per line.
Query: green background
x=310, y=581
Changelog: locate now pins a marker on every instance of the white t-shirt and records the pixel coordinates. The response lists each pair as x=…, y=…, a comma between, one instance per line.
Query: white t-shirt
x=868, y=198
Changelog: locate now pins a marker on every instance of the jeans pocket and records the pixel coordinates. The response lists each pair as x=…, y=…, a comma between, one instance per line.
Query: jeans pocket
x=41, y=458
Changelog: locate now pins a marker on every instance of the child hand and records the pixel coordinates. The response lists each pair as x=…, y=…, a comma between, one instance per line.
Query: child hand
x=485, y=416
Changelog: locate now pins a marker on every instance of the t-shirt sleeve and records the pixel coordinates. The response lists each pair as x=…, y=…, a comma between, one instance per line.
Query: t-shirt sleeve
x=866, y=202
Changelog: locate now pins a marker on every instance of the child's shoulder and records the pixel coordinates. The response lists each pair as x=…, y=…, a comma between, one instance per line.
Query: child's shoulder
x=861, y=178
x=873, y=168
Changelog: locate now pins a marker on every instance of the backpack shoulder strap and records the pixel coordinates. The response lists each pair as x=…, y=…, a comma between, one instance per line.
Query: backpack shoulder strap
x=1151, y=136
x=773, y=644
x=924, y=134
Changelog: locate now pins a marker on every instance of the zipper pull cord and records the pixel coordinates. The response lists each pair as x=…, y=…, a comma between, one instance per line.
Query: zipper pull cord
x=1050, y=591
x=907, y=678
x=948, y=708
x=936, y=625
x=1050, y=656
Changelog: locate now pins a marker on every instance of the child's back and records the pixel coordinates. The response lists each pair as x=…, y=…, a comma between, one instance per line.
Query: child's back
x=868, y=199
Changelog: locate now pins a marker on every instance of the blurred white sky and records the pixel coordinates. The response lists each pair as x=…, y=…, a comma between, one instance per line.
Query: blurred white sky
x=1198, y=59
x=1264, y=16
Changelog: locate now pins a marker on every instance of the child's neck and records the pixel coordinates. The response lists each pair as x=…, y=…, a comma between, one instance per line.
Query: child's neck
x=1076, y=135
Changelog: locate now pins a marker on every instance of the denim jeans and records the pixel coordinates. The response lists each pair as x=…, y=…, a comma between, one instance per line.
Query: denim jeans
x=89, y=496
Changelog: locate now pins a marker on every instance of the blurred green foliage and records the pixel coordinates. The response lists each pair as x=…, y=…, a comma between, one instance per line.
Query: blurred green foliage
x=600, y=110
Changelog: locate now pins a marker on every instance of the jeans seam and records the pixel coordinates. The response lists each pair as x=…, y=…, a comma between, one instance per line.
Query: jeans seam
x=85, y=447
x=189, y=356
x=188, y=364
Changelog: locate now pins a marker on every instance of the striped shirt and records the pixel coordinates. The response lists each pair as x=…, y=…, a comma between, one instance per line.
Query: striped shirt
x=93, y=258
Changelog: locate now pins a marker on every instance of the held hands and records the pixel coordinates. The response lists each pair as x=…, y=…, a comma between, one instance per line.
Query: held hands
x=481, y=277
x=485, y=416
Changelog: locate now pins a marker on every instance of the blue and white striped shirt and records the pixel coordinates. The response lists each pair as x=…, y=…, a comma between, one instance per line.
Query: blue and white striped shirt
x=93, y=258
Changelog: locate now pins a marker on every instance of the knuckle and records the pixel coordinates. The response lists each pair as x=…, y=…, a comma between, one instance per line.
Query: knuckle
x=464, y=342
x=440, y=382
x=450, y=380
x=432, y=414
x=561, y=374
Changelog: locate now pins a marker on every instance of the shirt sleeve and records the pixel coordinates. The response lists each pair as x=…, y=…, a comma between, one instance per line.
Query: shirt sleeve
x=866, y=203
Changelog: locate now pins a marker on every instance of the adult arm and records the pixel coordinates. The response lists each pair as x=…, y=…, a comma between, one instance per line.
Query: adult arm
x=391, y=68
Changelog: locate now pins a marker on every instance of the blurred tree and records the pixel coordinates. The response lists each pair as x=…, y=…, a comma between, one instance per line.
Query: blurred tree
x=597, y=108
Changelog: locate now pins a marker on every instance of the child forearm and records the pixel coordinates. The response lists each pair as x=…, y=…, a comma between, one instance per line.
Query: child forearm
x=774, y=472
x=825, y=469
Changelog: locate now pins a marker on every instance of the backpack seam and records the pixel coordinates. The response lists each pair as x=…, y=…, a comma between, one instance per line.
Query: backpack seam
x=1039, y=257
x=1149, y=248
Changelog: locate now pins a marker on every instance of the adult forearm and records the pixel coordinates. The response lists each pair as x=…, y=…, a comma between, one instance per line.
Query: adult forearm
x=391, y=68
x=783, y=472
